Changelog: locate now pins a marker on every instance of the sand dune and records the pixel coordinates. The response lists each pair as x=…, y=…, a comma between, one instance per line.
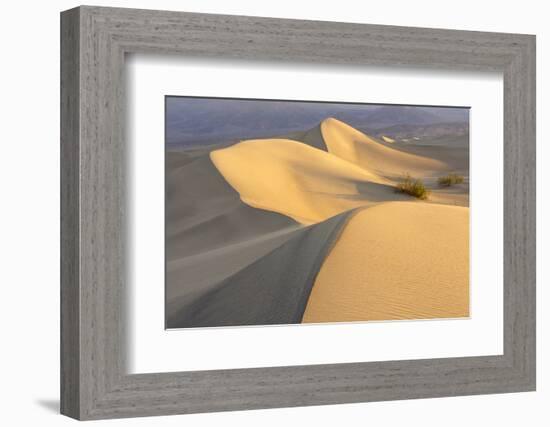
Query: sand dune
x=354, y=146
x=249, y=227
x=304, y=183
x=204, y=212
x=312, y=137
x=189, y=278
x=210, y=233
x=308, y=184
x=397, y=260
x=272, y=290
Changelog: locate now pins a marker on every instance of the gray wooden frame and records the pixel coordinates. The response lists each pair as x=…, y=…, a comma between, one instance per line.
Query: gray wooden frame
x=94, y=41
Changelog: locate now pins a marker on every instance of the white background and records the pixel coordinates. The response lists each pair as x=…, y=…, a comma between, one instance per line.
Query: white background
x=152, y=349
x=29, y=218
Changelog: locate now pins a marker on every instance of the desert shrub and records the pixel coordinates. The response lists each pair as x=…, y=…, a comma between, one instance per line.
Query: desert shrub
x=451, y=179
x=413, y=187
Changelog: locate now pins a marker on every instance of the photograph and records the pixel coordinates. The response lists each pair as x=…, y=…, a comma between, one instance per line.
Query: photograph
x=283, y=212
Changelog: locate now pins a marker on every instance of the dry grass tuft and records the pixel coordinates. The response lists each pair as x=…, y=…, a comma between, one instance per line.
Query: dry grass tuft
x=451, y=179
x=413, y=187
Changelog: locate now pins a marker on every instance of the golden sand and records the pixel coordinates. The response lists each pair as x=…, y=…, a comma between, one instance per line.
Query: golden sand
x=397, y=260
x=294, y=179
x=354, y=146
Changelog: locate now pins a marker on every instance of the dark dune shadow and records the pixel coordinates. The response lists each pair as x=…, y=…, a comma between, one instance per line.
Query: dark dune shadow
x=204, y=212
x=369, y=192
x=193, y=276
x=273, y=290
x=312, y=137
x=205, y=215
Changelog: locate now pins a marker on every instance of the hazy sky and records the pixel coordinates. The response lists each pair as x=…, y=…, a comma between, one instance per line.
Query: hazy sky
x=194, y=121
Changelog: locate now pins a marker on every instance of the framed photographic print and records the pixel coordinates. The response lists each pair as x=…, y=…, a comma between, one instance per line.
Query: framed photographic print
x=263, y=213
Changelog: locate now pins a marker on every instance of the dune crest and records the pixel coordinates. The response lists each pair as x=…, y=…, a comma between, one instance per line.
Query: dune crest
x=274, y=289
x=307, y=184
x=349, y=144
x=312, y=137
x=397, y=260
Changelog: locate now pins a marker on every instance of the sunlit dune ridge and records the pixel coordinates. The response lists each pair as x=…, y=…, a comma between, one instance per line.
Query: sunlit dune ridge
x=297, y=180
x=349, y=144
x=397, y=260
x=309, y=184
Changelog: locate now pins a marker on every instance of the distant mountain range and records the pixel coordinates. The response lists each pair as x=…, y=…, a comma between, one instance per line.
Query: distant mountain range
x=435, y=130
x=197, y=121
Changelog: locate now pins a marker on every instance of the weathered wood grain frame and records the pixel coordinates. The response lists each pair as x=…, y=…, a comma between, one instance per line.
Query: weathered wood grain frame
x=94, y=382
